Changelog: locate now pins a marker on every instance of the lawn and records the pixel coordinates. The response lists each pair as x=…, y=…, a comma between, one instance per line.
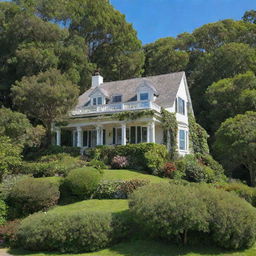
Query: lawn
x=149, y=248
x=130, y=174
x=113, y=206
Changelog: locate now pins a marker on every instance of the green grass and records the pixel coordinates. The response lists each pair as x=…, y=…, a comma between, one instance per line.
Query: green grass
x=149, y=248
x=113, y=206
x=129, y=175
x=52, y=179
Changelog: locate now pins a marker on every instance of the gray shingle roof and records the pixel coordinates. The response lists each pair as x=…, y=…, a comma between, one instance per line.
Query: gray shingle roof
x=166, y=86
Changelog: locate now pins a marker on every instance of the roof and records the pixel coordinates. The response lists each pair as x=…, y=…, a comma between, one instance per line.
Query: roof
x=166, y=87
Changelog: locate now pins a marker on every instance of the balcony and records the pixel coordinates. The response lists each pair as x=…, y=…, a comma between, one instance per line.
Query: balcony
x=117, y=107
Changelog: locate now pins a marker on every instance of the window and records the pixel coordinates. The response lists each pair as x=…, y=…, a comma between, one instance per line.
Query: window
x=182, y=139
x=144, y=96
x=117, y=98
x=180, y=106
x=99, y=100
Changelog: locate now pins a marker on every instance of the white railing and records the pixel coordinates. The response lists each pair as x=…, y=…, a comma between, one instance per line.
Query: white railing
x=117, y=107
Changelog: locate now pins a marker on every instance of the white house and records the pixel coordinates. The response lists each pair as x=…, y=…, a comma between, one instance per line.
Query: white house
x=91, y=122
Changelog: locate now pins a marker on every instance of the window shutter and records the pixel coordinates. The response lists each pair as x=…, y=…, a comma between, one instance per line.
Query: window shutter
x=114, y=136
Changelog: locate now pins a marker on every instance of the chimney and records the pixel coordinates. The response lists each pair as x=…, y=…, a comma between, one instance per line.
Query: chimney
x=97, y=79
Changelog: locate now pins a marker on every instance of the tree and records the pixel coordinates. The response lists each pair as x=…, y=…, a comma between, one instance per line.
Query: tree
x=112, y=42
x=47, y=97
x=231, y=96
x=10, y=156
x=250, y=16
x=236, y=143
x=17, y=127
x=162, y=57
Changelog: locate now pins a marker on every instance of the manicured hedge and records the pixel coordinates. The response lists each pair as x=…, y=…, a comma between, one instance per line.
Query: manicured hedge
x=83, y=182
x=30, y=195
x=71, y=232
x=3, y=212
x=176, y=212
x=145, y=156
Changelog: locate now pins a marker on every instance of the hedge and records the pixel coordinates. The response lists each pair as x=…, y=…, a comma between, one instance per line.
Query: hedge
x=145, y=156
x=71, y=232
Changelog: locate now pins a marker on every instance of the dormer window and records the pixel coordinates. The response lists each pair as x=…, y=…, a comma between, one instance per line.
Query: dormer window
x=97, y=101
x=117, y=98
x=144, y=96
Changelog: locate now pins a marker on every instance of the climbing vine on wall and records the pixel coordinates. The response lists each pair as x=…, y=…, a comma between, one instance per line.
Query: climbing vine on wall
x=170, y=129
x=198, y=136
x=132, y=115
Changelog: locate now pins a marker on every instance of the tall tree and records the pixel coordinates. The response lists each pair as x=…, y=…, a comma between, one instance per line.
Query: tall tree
x=162, y=57
x=229, y=97
x=250, y=16
x=236, y=143
x=47, y=97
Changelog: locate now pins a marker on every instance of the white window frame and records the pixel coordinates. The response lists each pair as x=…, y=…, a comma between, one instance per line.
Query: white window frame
x=144, y=93
x=185, y=140
x=183, y=111
x=117, y=95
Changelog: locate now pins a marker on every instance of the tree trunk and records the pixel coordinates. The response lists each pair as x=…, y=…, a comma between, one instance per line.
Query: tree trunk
x=185, y=237
x=48, y=139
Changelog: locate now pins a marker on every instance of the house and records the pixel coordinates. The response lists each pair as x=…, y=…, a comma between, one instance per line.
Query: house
x=95, y=120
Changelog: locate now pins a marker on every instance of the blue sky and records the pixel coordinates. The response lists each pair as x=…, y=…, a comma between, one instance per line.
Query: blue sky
x=154, y=19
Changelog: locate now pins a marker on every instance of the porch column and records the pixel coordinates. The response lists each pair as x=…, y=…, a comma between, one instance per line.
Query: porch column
x=58, y=137
x=99, y=138
x=123, y=142
x=148, y=132
x=74, y=138
x=152, y=132
x=79, y=137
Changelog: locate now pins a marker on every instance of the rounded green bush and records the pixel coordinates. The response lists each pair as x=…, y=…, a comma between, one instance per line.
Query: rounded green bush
x=233, y=220
x=30, y=195
x=168, y=211
x=83, y=182
x=69, y=232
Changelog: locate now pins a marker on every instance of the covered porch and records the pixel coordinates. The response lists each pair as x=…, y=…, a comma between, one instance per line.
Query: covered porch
x=88, y=135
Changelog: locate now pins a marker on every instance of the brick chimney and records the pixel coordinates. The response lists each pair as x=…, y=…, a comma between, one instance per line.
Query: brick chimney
x=97, y=79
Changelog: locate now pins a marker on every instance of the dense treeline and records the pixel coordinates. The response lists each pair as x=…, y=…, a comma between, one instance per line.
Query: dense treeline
x=44, y=39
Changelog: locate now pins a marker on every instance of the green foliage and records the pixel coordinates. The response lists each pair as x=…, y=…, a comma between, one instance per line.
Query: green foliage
x=233, y=221
x=51, y=165
x=139, y=155
x=132, y=115
x=169, y=211
x=71, y=232
x=83, y=182
x=240, y=189
x=198, y=137
x=231, y=96
x=46, y=97
x=118, y=189
x=235, y=143
x=170, y=128
x=17, y=127
x=97, y=164
x=164, y=51
x=250, y=16
x=8, y=232
x=31, y=195
x=10, y=156
x=3, y=212
x=201, y=169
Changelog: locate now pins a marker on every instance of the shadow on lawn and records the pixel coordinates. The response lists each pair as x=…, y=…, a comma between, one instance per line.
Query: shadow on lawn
x=144, y=248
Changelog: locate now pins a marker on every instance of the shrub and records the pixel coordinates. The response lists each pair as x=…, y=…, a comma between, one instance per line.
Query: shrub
x=168, y=170
x=83, y=182
x=119, y=162
x=118, y=189
x=31, y=195
x=135, y=153
x=240, y=189
x=97, y=164
x=169, y=211
x=8, y=232
x=232, y=220
x=72, y=232
x=3, y=212
x=52, y=165
x=195, y=170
